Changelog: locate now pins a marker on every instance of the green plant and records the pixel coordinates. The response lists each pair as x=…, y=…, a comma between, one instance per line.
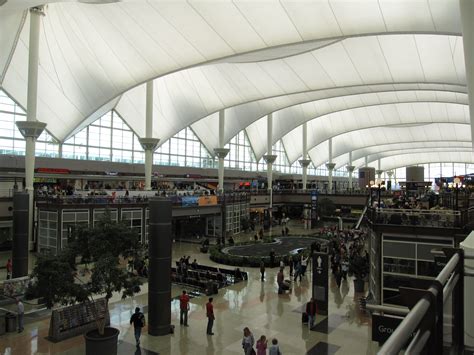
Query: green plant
x=100, y=248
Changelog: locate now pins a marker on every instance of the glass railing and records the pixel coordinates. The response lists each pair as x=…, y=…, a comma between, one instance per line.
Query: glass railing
x=442, y=218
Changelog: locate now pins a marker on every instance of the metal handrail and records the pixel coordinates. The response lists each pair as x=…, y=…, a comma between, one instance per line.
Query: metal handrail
x=411, y=322
x=418, y=343
x=399, y=311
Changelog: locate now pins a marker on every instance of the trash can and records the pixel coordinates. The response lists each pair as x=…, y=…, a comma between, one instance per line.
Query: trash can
x=10, y=320
x=3, y=327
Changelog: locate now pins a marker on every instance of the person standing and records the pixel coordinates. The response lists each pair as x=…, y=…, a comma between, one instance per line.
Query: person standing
x=262, y=270
x=184, y=308
x=262, y=345
x=210, y=316
x=304, y=264
x=311, y=312
x=280, y=279
x=20, y=308
x=248, y=341
x=272, y=258
x=9, y=269
x=138, y=320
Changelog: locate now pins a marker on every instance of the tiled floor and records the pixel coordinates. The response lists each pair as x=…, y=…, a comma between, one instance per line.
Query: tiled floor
x=253, y=303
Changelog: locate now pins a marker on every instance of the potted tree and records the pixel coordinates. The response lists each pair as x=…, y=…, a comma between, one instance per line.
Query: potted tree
x=359, y=267
x=102, y=250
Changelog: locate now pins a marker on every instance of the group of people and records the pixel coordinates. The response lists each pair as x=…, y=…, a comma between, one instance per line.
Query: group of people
x=344, y=246
x=248, y=342
x=183, y=265
x=139, y=265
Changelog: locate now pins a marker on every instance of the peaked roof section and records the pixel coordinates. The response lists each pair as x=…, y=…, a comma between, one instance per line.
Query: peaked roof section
x=342, y=65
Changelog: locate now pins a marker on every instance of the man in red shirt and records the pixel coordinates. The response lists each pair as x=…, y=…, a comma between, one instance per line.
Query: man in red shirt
x=210, y=316
x=184, y=308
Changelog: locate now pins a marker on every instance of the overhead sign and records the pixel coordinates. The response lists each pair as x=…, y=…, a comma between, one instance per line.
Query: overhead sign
x=53, y=171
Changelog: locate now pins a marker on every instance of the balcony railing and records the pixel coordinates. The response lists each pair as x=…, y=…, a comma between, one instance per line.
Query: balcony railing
x=417, y=217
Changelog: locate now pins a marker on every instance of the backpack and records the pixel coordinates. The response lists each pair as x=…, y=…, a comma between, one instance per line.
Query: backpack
x=141, y=318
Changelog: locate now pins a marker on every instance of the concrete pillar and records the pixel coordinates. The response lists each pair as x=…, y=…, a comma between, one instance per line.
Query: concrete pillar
x=31, y=129
x=270, y=158
x=20, y=234
x=305, y=161
x=159, y=272
x=467, y=14
x=149, y=143
x=390, y=174
x=330, y=166
x=221, y=152
x=366, y=158
x=350, y=169
x=379, y=170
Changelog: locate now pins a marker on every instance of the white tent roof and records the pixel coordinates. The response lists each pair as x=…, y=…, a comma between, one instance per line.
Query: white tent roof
x=346, y=67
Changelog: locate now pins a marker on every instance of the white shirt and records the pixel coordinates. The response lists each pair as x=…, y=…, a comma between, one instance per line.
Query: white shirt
x=20, y=308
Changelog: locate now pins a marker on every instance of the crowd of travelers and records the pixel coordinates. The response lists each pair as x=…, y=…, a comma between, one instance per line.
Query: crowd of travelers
x=344, y=246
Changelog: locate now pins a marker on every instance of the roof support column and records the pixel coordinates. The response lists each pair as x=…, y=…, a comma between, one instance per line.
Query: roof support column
x=221, y=152
x=31, y=129
x=350, y=169
x=330, y=166
x=305, y=161
x=270, y=158
x=467, y=14
x=379, y=170
x=149, y=143
x=390, y=174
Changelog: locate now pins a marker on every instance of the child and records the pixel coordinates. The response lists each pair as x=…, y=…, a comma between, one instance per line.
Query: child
x=274, y=349
x=262, y=345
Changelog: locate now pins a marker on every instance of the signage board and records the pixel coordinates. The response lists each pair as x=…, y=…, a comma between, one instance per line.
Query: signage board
x=321, y=281
x=207, y=200
x=384, y=326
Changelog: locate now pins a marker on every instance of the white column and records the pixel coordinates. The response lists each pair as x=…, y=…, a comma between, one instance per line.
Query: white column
x=149, y=134
x=467, y=14
x=221, y=145
x=270, y=158
x=32, y=93
x=149, y=143
x=270, y=151
x=31, y=129
x=330, y=166
x=221, y=152
x=350, y=169
x=379, y=170
x=305, y=161
x=390, y=174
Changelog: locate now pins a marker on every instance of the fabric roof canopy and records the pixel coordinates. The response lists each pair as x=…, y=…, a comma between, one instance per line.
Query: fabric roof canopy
x=351, y=69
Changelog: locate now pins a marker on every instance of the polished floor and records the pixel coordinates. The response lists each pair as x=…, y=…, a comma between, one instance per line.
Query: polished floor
x=252, y=303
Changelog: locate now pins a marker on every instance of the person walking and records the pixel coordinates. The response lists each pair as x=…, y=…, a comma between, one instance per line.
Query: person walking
x=138, y=320
x=274, y=348
x=262, y=345
x=262, y=270
x=311, y=312
x=210, y=316
x=20, y=308
x=184, y=308
x=9, y=267
x=248, y=341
